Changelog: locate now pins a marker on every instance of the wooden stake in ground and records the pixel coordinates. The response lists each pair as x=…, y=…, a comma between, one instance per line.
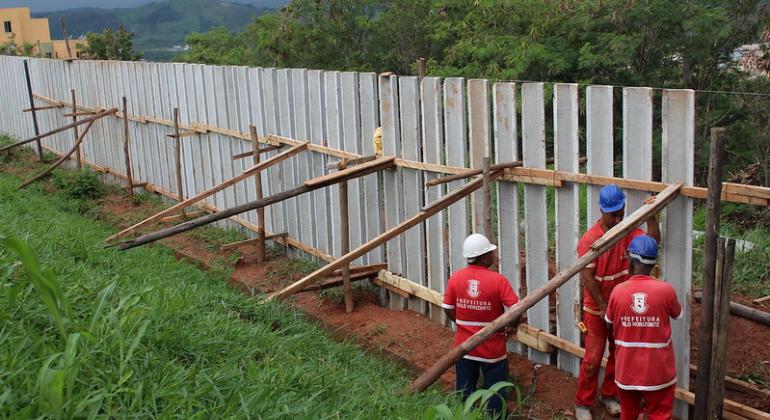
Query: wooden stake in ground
x=126, y=149
x=261, y=254
x=178, y=153
x=32, y=108
x=597, y=248
x=722, y=285
x=61, y=159
x=426, y=212
x=79, y=153
x=215, y=189
x=421, y=68
x=310, y=185
x=345, y=240
x=37, y=138
x=713, y=205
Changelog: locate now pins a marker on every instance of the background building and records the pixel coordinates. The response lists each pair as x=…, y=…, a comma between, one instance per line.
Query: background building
x=33, y=36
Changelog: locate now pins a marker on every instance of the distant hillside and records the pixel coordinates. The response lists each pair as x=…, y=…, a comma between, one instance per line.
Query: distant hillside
x=161, y=27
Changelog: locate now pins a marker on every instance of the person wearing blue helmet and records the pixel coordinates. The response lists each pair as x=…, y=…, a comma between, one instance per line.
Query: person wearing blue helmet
x=598, y=280
x=639, y=314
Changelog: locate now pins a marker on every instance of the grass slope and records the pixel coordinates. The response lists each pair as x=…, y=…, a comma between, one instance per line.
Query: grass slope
x=158, y=26
x=140, y=334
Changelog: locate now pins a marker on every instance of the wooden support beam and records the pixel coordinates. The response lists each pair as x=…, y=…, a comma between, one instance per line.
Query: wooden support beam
x=178, y=160
x=260, y=151
x=336, y=281
x=487, y=197
x=411, y=288
x=351, y=162
x=379, y=282
x=126, y=150
x=181, y=134
x=200, y=196
x=597, y=248
x=473, y=172
x=35, y=126
x=186, y=216
x=79, y=153
x=345, y=238
x=61, y=129
x=357, y=172
x=136, y=185
x=742, y=311
x=79, y=113
x=533, y=340
x=402, y=227
x=42, y=108
x=723, y=282
x=336, y=177
x=255, y=151
x=739, y=385
x=60, y=160
x=761, y=300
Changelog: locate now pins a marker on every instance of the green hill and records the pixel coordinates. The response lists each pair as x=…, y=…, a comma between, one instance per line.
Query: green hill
x=160, y=27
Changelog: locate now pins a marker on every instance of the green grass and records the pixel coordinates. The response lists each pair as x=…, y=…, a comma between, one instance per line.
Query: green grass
x=97, y=332
x=751, y=270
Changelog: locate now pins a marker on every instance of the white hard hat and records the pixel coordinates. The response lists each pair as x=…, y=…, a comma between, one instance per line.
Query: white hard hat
x=476, y=245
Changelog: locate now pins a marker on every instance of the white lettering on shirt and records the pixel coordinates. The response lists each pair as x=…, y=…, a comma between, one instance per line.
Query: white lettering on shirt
x=640, y=321
x=473, y=304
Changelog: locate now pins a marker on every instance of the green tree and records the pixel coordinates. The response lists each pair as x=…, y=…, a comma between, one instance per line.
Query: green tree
x=110, y=45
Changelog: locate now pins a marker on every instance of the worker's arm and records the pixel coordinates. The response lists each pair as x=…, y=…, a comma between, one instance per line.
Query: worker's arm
x=589, y=282
x=653, y=229
x=450, y=313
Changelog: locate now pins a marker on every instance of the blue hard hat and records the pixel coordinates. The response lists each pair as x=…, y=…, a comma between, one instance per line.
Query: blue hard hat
x=644, y=249
x=611, y=198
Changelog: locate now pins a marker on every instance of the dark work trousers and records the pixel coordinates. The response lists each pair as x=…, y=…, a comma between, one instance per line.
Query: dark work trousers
x=468, y=377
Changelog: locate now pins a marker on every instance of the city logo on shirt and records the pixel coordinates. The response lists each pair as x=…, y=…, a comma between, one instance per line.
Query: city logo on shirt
x=639, y=304
x=473, y=288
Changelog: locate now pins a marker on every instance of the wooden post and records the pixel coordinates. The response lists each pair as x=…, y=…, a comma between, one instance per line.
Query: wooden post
x=421, y=68
x=66, y=37
x=599, y=247
x=32, y=107
x=178, y=151
x=79, y=152
x=710, y=261
x=126, y=150
x=345, y=239
x=487, y=195
x=722, y=286
x=261, y=255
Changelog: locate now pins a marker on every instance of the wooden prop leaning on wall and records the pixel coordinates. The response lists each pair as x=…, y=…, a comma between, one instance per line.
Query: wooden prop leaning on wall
x=310, y=185
x=61, y=129
x=425, y=213
x=597, y=248
x=61, y=159
x=200, y=196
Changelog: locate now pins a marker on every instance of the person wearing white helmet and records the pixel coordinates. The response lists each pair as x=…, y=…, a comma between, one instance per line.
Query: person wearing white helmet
x=599, y=279
x=475, y=296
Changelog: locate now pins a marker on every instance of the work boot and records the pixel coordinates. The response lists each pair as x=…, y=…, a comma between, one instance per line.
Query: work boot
x=583, y=413
x=612, y=406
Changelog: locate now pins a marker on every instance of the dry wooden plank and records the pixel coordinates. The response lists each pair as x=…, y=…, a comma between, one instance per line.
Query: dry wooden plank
x=60, y=160
x=533, y=341
x=260, y=151
x=760, y=300
x=412, y=288
x=537, y=295
x=61, y=129
x=341, y=174
x=743, y=311
x=43, y=108
x=200, y=196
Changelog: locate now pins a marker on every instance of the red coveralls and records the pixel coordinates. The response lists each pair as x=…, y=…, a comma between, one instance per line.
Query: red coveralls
x=610, y=269
x=639, y=311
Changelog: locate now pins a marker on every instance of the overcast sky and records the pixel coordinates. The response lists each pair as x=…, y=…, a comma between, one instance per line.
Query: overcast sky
x=52, y=5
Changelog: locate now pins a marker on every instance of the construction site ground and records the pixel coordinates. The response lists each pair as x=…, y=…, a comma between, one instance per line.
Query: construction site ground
x=409, y=338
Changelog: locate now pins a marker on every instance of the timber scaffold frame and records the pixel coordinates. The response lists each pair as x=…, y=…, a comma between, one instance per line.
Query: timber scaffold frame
x=430, y=127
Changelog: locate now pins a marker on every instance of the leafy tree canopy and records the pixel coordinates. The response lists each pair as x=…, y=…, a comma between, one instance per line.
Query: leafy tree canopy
x=110, y=45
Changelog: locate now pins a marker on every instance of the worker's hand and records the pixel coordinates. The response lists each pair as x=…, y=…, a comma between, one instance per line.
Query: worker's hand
x=602, y=311
x=510, y=332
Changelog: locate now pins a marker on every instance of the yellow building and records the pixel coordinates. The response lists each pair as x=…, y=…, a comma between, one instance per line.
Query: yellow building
x=19, y=27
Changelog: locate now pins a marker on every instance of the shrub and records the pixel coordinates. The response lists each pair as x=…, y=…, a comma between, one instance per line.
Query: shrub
x=79, y=184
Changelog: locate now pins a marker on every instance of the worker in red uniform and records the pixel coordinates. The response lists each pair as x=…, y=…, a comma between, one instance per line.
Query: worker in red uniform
x=639, y=315
x=598, y=280
x=475, y=296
